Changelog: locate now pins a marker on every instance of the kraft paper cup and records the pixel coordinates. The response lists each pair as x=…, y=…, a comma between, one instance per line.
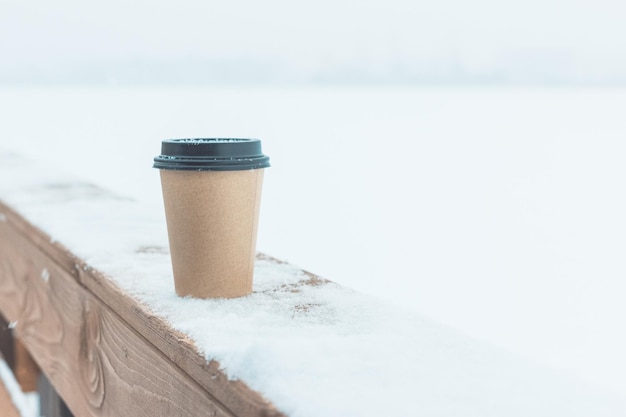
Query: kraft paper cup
x=212, y=194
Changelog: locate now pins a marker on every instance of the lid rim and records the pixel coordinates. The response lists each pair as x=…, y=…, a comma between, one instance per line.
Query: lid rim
x=211, y=154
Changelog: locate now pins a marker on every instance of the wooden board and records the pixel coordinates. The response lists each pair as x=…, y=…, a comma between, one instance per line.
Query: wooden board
x=25, y=369
x=103, y=351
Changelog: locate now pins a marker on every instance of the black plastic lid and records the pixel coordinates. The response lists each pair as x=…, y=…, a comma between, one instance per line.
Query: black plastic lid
x=211, y=154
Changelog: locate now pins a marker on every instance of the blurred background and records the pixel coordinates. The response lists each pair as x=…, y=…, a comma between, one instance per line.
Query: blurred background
x=463, y=160
x=322, y=42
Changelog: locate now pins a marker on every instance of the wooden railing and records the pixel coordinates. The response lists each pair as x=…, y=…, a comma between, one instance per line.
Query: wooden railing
x=103, y=351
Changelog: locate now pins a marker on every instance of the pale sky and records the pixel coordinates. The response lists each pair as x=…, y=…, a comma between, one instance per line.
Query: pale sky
x=281, y=40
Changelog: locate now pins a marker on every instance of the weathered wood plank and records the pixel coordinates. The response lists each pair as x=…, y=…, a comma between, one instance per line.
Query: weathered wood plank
x=25, y=369
x=233, y=396
x=96, y=361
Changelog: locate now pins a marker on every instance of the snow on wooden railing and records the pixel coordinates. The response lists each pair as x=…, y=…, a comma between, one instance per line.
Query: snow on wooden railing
x=86, y=286
x=104, y=351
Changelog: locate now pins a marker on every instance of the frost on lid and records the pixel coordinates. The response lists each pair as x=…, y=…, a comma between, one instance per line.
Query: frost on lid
x=199, y=141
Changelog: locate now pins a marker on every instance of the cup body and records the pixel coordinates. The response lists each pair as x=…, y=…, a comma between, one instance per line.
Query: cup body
x=212, y=222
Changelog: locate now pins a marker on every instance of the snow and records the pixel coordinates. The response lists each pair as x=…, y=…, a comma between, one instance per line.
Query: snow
x=494, y=211
x=210, y=140
x=311, y=347
x=27, y=404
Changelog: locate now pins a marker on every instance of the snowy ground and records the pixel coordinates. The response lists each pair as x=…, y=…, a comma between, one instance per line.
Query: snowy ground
x=499, y=212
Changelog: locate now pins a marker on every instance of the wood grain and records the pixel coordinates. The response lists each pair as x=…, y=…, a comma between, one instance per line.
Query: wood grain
x=92, y=345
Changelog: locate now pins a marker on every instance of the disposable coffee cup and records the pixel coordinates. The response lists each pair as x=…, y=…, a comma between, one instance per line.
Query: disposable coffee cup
x=212, y=195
